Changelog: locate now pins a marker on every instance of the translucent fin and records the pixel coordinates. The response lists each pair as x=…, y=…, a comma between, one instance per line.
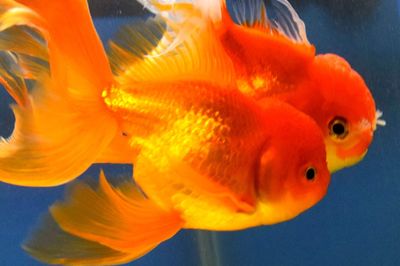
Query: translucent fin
x=211, y=8
x=55, y=138
x=198, y=58
x=23, y=56
x=22, y=33
x=183, y=19
x=275, y=16
x=133, y=42
x=24, y=40
x=12, y=13
x=12, y=78
x=107, y=219
x=51, y=245
x=64, y=125
x=77, y=57
x=33, y=67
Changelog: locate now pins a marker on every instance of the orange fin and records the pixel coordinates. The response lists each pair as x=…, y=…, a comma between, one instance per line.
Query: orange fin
x=77, y=56
x=24, y=40
x=51, y=245
x=275, y=16
x=133, y=42
x=120, y=219
x=12, y=77
x=195, y=56
x=63, y=125
x=13, y=13
x=22, y=34
x=55, y=137
x=29, y=48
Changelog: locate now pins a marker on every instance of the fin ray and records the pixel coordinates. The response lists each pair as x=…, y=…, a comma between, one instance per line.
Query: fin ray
x=102, y=225
x=198, y=57
x=12, y=78
x=50, y=244
x=126, y=222
x=63, y=125
x=53, y=141
x=274, y=16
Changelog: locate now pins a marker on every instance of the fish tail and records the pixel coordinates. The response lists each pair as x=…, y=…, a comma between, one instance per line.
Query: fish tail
x=62, y=124
x=102, y=225
x=74, y=45
x=21, y=38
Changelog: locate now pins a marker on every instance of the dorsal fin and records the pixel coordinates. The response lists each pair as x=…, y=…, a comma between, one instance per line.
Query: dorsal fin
x=133, y=42
x=210, y=8
x=275, y=16
x=197, y=58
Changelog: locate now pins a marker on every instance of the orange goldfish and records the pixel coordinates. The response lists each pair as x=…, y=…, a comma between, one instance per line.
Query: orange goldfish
x=205, y=155
x=273, y=58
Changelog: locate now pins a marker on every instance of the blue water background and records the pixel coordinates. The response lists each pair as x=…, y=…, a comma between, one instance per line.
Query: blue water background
x=357, y=223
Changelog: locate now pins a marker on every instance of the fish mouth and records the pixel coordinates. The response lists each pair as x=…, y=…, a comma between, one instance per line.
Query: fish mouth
x=336, y=163
x=351, y=151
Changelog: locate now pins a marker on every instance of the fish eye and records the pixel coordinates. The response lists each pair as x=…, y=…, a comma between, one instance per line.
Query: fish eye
x=338, y=128
x=310, y=173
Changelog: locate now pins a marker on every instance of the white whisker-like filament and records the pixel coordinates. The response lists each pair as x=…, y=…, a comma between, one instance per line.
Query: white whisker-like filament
x=378, y=119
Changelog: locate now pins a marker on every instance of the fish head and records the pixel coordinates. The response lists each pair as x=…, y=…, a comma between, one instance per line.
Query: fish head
x=292, y=174
x=346, y=112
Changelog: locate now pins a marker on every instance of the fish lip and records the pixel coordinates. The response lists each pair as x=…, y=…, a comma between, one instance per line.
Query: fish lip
x=345, y=163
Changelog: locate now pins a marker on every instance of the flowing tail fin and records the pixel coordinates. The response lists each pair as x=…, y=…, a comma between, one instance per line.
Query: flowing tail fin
x=62, y=125
x=76, y=53
x=101, y=226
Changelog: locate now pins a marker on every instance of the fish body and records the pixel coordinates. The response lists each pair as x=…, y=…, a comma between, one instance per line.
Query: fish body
x=197, y=140
x=272, y=57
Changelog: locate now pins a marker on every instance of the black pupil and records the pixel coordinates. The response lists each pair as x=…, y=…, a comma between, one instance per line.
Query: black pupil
x=338, y=128
x=310, y=173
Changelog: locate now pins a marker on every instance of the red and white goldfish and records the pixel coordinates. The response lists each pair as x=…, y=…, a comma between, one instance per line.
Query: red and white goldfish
x=205, y=155
x=273, y=58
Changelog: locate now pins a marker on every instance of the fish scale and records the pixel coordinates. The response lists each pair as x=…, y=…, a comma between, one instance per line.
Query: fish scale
x=199, y=125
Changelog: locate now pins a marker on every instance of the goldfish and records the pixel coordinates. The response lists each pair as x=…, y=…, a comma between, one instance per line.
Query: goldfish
x=273, y=58
x=205, y=155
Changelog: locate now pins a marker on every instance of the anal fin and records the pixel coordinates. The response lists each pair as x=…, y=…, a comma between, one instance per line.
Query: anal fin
x=50, y=244
x=119, y=222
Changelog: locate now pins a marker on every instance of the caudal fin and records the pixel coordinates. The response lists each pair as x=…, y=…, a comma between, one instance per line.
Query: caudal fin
x=77, y=56
x=101, y=226
x=62, y=125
